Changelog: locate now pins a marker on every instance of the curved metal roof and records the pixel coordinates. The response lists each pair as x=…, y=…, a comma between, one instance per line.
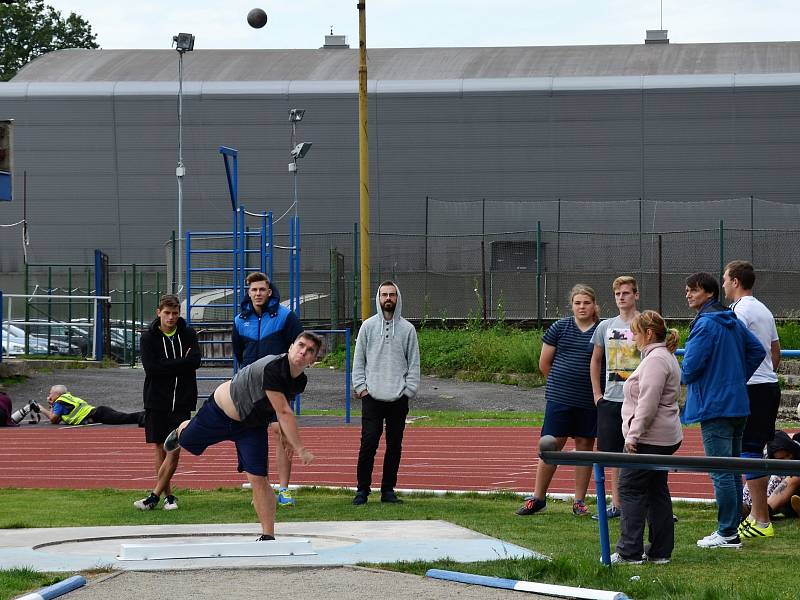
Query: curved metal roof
x=79, y=65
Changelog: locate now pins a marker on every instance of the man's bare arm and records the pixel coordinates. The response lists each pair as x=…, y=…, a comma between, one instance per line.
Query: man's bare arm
x=288, y=425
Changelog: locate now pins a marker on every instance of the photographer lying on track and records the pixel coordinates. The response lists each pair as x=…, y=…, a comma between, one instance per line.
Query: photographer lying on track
x=71, y=410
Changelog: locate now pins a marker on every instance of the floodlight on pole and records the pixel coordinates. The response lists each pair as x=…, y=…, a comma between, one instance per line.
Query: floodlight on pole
x=298, y=151
x=183, y=42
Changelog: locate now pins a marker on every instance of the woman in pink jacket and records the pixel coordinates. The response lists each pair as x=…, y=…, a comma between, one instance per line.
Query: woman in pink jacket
x=651, y=425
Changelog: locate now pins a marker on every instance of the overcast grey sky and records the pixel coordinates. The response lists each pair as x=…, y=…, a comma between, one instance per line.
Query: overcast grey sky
x=426, y=23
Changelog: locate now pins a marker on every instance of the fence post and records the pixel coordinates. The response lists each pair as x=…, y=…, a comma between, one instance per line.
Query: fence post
x=641, y=260
x=69, y=307
x=174, y=281
x=483, y=257
x=752, y=226
x=558, y=252
x=333, y=290
x=27, y=308
x=660, y=278
x=347, y=375
x=721, y=249
x=425, y=292
x=141, y=296
x=125, y=315
x=98, y=307
x=356, y=275
x=134, y=302
x=50, y=307
x=538, y=274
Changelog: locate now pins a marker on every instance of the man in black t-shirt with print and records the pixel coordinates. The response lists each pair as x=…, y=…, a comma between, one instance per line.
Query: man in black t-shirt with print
x=239, y=411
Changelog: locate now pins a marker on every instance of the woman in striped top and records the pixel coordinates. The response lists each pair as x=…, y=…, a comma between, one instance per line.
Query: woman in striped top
x=570, y=411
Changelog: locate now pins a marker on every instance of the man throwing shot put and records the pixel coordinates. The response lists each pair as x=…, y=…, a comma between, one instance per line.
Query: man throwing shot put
x=240, y=409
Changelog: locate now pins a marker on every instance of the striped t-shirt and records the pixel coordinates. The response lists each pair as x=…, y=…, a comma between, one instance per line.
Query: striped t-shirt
x=569, y=381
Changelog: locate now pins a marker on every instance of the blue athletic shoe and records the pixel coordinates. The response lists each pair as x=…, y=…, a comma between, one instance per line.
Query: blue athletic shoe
x=285, y=497
x=612, y=512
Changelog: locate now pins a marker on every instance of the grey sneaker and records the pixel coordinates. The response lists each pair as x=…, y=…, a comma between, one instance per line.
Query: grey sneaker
x=616, y=559
x=171, y=443
x=655, y=560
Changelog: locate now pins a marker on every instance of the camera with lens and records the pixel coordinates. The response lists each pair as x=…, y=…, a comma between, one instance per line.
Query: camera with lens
x=32, y=408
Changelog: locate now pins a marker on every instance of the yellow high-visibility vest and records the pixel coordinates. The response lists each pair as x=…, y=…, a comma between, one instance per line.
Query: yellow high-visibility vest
x=80, y=409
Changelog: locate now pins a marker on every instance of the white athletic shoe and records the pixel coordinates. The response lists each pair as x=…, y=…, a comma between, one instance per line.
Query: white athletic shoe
x=715, y=540
x=170, y=503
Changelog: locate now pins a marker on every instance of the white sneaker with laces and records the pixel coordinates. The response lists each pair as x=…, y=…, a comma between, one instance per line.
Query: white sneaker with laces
x=715, y=540
x=170, y=503
x=616, y=559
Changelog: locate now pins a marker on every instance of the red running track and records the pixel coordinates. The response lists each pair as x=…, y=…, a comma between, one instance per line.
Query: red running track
x=473, y=458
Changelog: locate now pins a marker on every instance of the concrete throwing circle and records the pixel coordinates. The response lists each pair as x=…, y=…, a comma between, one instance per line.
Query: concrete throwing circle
x=111, y=544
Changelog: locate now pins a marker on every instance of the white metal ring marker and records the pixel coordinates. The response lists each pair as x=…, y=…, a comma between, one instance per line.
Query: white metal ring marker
x=298, y=547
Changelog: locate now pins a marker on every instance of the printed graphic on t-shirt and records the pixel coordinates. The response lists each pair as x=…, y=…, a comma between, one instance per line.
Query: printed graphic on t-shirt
x=622, y=355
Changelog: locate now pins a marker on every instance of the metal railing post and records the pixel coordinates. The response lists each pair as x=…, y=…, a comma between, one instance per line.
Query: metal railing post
x=347, y=375
x=602, y=515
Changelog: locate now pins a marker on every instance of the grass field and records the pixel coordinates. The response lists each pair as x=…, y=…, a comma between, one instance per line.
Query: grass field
x=452, y=418
x=761, y=570
x=503, y=354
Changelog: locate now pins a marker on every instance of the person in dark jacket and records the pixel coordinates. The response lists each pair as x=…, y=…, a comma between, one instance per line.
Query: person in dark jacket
x=263, y=328
x=170, y=357
x=721, y=355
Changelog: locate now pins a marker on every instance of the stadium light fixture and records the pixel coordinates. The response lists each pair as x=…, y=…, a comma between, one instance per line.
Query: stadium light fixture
x=183, y=42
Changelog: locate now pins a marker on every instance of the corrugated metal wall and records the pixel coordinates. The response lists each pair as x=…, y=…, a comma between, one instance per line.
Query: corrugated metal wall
x=100, y=167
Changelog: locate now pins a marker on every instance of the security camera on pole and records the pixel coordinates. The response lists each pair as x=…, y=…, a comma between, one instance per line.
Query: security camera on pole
x=184, y=42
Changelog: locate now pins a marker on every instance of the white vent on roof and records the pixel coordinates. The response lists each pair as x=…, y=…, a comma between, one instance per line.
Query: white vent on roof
x=336, y=41
x=656, y=36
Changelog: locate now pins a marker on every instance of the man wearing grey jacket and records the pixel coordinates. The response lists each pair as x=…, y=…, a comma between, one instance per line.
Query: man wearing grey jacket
x=385, y=376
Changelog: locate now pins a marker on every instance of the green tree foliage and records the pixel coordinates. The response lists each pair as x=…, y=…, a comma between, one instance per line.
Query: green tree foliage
x=30, y=28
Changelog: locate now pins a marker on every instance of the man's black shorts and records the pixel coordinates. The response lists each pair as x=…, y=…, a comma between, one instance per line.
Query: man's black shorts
x=609, y=426
x=158, y=424
x=765, y=399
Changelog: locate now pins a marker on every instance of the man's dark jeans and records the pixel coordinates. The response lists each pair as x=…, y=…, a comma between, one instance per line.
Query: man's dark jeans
x=373, y=414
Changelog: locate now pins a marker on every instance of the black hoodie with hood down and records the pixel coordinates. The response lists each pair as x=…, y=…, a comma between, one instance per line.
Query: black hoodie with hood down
x=170, y=363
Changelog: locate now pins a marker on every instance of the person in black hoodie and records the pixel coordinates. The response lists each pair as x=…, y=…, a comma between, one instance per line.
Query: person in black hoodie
x=170, y=357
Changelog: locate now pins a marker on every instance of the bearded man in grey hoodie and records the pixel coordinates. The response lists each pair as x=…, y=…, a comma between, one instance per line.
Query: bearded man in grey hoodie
x=385, y=376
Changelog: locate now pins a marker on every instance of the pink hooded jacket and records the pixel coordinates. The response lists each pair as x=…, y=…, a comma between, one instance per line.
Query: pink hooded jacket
x=650, y=413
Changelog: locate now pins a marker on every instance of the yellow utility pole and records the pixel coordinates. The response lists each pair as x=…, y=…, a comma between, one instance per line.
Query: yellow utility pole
x=363, y=164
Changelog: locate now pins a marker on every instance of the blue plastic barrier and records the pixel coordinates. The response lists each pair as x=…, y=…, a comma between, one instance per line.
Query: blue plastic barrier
x=57, y=589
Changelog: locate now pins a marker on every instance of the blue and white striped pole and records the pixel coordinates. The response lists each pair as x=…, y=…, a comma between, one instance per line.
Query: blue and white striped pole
x=527, y=586
x=57, y=589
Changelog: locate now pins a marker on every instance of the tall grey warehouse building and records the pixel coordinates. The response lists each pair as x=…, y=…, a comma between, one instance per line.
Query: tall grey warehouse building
x=604, y=144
